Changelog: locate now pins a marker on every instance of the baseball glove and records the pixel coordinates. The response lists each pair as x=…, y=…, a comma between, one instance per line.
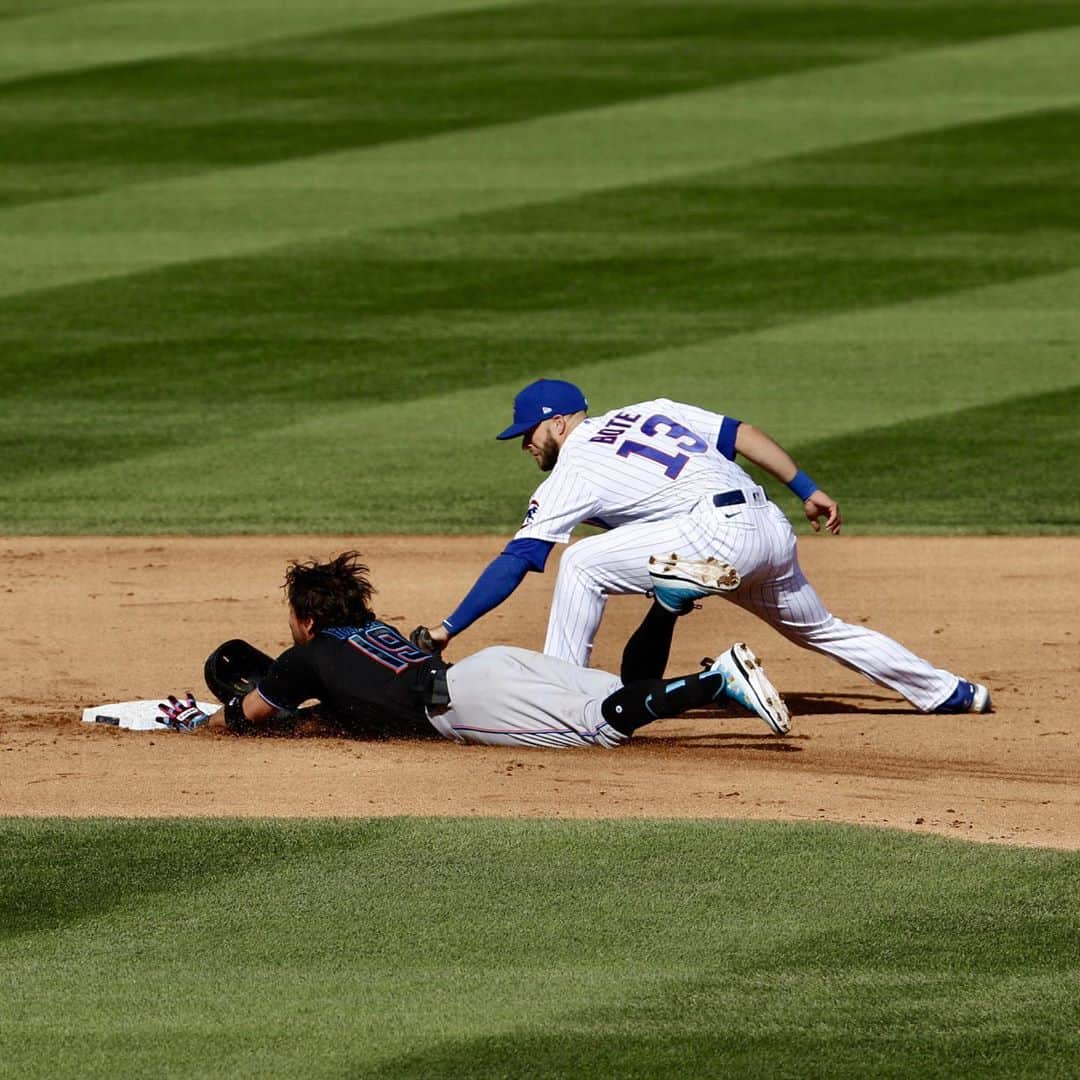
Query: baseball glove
x=422, y=639
x=234, y=669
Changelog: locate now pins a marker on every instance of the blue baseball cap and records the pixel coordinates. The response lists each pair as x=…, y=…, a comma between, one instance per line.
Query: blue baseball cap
x=540, y=401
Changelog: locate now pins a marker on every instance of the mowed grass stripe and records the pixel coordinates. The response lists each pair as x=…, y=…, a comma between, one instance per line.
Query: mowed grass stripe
x=1027, y=450
x=331, y=469
x=597, y=279
x=243, y=211
x=72, y=36
x=359, y=87
x=544, y=282
x=414, y=312
x=860, y=370
x=412, y=947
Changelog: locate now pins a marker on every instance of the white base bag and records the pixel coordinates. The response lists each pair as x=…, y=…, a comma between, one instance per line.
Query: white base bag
x=134, y=715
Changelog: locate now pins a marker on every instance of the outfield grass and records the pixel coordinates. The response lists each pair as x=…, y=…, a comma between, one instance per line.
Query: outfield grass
x=328, y=250
x=478, y=948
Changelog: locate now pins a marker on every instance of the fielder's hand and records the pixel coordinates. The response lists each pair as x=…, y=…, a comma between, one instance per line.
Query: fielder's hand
x=430, y=639
x=819, y=505
x=183, y=715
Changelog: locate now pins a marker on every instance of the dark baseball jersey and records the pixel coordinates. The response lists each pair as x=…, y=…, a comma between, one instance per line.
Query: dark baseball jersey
x=369, y=677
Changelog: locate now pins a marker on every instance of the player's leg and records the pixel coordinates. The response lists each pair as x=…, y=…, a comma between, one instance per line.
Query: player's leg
x=736, y=675
x=790, y=604
x=645, y=654
x=774, y=588
x=506, y=696
x=612, y=563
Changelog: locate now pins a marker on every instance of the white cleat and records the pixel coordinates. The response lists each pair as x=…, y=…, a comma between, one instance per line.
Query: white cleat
x=745, y=682
x=678, y=582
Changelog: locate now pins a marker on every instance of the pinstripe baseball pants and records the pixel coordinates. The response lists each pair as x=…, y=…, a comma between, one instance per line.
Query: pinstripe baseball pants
x=757, y=539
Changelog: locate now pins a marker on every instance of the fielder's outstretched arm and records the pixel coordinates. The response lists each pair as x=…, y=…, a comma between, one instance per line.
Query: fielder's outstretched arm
x=503, y=575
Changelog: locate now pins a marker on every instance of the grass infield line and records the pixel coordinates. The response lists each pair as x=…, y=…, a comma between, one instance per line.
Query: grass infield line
x=247, y=210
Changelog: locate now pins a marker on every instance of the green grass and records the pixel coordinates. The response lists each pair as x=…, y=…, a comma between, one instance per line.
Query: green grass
x=480, y=948
x=153, y=379
x=47, y=37
x=312, y=94
x=1037, y=435
x=327, y=252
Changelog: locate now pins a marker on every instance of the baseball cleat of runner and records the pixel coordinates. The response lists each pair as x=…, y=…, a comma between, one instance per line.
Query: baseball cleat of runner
x=678, y=582
x=745, y=682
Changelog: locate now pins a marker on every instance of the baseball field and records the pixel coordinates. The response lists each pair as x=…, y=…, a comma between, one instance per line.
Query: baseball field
x=272, y=273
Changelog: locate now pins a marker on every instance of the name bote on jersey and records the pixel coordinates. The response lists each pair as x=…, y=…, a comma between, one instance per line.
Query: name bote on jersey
x=615, y=427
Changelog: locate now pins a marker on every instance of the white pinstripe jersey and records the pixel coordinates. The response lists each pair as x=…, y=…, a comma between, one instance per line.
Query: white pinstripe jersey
x=643, y=462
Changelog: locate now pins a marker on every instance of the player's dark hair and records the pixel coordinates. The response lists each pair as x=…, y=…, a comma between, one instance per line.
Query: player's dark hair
x=335, y=593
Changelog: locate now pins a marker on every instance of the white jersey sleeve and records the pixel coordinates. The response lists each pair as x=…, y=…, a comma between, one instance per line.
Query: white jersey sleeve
x=565, y=499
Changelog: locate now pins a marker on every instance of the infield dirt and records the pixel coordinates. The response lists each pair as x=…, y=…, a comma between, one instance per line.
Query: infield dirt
x=92, y=620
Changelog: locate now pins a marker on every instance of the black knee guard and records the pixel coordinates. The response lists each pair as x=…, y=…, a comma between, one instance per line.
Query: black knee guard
x=642, y=702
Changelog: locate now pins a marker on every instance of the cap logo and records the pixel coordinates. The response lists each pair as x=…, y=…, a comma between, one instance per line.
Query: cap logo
x=545, y=408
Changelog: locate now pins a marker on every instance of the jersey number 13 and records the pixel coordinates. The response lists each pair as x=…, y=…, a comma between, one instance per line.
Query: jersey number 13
x=672, y=463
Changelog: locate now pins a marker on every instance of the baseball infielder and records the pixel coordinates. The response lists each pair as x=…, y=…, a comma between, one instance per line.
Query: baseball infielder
x=370, y=677
x=661, y=478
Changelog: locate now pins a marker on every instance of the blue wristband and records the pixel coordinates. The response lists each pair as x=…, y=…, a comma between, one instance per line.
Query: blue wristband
x=802, y=485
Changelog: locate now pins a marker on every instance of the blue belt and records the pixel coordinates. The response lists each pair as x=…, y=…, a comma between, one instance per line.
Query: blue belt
x=729, y=498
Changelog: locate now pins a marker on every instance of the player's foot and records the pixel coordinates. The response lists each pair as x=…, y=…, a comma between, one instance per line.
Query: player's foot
x=967, y=697
x=745, y=682
x=678, y=582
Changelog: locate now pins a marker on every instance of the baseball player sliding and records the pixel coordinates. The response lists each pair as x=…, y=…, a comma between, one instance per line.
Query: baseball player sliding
x=684, y=521
x=369, y=677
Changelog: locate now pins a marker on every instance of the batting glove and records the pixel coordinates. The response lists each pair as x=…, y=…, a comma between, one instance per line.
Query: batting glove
x=183, y=715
